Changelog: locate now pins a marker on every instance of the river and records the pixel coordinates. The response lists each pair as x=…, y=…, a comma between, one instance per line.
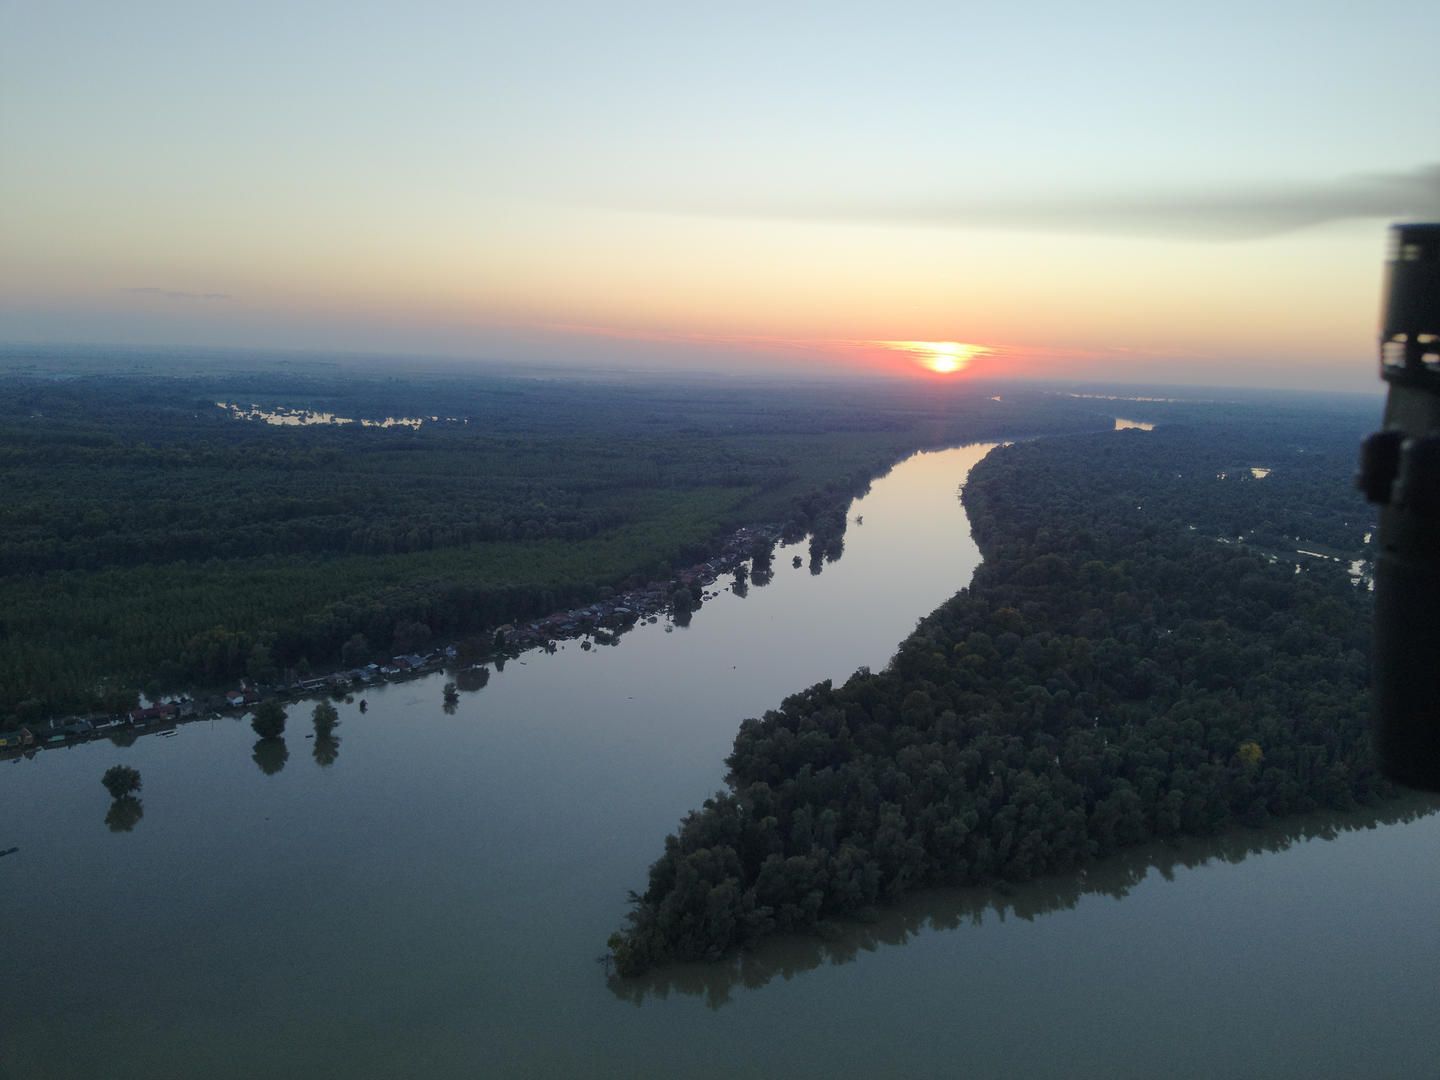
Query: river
x=432, y=903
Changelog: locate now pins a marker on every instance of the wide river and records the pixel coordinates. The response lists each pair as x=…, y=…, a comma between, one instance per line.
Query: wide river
x=432, y=903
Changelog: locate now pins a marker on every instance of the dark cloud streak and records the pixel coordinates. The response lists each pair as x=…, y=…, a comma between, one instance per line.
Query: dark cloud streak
x=1236, y=214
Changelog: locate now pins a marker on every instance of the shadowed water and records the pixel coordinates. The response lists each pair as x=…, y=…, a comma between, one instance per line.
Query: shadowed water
x=425, y=894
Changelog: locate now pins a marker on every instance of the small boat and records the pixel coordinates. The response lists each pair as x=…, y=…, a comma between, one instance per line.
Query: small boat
x=10, y=852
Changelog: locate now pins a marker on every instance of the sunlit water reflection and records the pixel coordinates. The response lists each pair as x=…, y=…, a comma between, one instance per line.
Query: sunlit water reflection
x=426, y=894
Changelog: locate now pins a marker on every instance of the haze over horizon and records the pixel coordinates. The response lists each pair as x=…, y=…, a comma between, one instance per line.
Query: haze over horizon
x=1197, y=195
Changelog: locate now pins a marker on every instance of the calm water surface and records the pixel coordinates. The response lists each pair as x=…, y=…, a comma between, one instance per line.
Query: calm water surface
x=432, y=903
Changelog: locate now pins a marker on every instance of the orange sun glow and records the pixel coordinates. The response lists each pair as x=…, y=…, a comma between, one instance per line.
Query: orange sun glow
x=943, y=357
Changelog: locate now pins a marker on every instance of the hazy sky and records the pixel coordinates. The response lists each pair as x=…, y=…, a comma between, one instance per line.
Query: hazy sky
x=1158, y=192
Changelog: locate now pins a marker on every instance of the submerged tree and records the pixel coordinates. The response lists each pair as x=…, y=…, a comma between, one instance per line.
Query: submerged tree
x=269, y=719
x=327, y=749
x=270, y=755
x=742, y=581
x=125, y=813
x=325, y=717
x=121, y=780
x=761, y=552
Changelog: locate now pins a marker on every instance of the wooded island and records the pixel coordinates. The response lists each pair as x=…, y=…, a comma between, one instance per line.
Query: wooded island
x=1131, y=661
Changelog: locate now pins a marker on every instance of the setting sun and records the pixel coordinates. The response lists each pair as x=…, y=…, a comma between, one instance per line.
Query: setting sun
x=943, y=357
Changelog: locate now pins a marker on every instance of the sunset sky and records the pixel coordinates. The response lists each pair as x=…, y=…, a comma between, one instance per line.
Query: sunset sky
x=1192, y=193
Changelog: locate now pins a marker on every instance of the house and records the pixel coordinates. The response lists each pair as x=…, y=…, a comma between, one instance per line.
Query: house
x=13, y=740
x=154, y=714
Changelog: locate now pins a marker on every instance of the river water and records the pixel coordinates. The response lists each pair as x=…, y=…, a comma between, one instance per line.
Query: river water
x=433, y=901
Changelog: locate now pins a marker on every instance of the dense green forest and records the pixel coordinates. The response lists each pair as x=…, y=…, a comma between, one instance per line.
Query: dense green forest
x=152, y=538
x=1121, y=668
x=899, y=923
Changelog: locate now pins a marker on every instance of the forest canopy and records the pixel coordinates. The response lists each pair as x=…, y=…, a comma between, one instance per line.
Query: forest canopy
x=1142, y=654
x=166, y=533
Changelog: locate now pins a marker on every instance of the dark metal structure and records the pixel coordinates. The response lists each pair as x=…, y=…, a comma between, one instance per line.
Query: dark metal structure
x=1400, y=471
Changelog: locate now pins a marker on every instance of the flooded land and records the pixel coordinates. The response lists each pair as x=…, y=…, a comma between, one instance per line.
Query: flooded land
x=427, y=893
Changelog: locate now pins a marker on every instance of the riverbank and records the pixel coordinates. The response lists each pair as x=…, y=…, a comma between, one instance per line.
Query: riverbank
x=602, y=622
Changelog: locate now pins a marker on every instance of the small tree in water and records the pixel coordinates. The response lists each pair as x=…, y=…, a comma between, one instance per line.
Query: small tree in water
x=125, y=814
x=327, y=749
x=270, y=755
x=121, y=780
x=269, y=719
x=325, y=716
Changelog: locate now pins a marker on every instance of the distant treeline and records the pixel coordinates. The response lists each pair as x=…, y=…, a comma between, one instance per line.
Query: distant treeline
x=149, y=540
x=1114, y=673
